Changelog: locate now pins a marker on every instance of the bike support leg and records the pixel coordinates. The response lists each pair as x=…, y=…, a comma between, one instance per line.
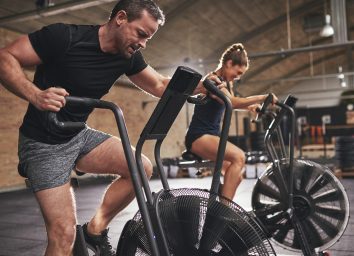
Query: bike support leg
x=80, y=248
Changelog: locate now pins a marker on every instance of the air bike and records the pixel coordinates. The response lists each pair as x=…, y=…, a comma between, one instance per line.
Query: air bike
x=178, y=222
x=300, y=203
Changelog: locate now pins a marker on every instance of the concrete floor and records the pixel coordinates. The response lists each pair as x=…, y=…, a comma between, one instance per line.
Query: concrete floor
x=22, y=230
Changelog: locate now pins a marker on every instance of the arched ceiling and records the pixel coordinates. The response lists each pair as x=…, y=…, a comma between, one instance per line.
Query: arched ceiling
x=275, y=33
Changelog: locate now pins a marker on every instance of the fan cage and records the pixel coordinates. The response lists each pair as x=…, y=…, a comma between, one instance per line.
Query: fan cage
x=197, y=222
x=326, y=218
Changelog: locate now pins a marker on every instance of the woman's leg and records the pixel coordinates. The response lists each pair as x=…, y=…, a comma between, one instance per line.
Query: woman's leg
x=206, y=147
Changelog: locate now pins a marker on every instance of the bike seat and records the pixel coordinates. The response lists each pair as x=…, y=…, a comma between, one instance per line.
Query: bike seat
x=189, y=156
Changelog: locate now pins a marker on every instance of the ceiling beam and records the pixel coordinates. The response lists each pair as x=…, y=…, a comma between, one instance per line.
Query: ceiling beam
x=291, y=74
x=282, y=53
x=315, y=62
x=180, y=8
x=76, y=5
x=254, y=72
x=264, y=28
x=52, y=10
x=312, y=48
x=214, y=57
x=289, y=78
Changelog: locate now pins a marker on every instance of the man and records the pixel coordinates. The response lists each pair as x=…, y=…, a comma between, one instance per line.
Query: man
x=79, y=60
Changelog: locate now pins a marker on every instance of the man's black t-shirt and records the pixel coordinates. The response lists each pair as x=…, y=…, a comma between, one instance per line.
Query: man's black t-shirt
x=72, y=59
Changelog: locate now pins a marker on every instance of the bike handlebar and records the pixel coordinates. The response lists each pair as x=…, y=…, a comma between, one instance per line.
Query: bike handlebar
x=53, y=119
x=94, y=103
x=268, y=100
x=73, y=101
x=198, y=99
x=81, y=101
x=212, y=88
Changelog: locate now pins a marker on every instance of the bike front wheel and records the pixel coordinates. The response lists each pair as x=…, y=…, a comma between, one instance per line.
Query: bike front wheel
x=320, y=204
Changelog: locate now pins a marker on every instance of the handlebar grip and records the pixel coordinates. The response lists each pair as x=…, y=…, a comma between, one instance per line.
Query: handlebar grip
x=80, y=101
x=211, y=87
x=198, y=100
x=52, y=116
x=268, y=100
x=68, y=125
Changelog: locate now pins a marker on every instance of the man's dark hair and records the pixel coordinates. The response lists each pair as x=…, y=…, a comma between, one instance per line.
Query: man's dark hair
x=134, y=8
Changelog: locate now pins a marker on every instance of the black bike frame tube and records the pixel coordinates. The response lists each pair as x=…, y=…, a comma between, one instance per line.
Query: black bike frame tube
x=159, y=235
x=222, y=145
x=128, y=152
x=267, y=143
x=280, y=137
x=276, y=164
x=224, y=134
x=274, y=151
x=283, y=151
x=303, y=241
x=291, y=151
x=160, y=165
x=142, y=173
x=162, y=242
x=135, y=178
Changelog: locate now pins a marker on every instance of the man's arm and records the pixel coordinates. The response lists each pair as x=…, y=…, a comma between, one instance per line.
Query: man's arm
x=20, y=54
x=154, y=83
x=150, y=81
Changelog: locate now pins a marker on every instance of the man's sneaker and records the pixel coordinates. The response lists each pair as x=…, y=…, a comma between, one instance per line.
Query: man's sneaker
x=99, y=243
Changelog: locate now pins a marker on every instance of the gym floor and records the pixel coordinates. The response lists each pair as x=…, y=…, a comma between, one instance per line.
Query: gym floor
x=22, y=230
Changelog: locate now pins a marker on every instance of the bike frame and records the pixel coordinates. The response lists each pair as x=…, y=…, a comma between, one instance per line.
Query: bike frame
x=156, y=129
x=286, y=108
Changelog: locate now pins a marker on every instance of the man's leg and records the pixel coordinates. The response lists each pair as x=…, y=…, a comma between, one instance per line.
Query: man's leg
x=58, y=209
x=234, y=160
x=108, y=157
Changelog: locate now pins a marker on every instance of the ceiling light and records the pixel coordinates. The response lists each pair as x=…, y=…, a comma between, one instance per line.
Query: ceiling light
x=44, y=3
x=341, y=77
x=327, y=30
x=343, y=84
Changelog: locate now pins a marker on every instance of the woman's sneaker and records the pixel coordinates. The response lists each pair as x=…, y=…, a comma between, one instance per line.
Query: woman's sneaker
x=99, y=243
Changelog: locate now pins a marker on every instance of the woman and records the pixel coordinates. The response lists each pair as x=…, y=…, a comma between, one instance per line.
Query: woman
x=203, y=134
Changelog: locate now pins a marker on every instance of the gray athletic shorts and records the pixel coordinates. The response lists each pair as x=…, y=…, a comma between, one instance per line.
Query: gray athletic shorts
x=48, y=166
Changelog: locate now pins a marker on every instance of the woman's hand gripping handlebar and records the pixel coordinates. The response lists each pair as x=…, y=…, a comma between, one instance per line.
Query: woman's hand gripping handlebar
x=268, y=100
x=212, y=88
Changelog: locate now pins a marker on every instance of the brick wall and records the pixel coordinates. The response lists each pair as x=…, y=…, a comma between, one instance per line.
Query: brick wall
x=11, y=113
x=131, y=101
